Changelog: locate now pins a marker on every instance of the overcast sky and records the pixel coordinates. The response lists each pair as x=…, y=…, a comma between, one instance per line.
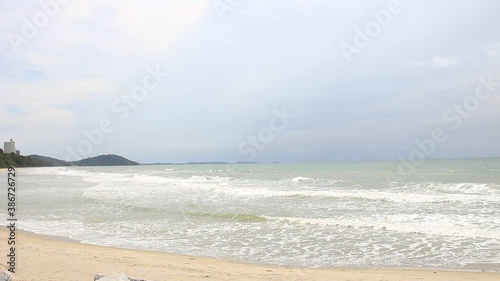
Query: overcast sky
x=232, y=64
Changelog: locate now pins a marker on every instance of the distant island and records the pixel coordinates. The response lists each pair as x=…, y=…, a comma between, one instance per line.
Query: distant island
x=15, y=160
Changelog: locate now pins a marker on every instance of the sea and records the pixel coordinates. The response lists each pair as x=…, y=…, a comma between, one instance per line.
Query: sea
x=442, y=214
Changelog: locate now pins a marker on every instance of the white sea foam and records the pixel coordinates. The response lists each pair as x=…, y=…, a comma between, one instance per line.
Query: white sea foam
x=430, y=225
x=327, y=218
x=416, y=193
x=298, y=179
x=460, y=188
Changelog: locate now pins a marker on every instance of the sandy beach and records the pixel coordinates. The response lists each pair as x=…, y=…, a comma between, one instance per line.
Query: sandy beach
x=47, y=258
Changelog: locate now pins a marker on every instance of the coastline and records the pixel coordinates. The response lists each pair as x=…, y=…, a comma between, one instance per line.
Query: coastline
x=41, y=257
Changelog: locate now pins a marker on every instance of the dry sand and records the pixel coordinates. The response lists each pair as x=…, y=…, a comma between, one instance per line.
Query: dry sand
x=44, y=258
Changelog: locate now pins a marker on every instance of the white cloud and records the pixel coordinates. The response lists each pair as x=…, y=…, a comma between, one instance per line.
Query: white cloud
x=127, y=26
x=131, y=30
x=37, y=122
x=445, y=61
x=417, y=63
x=475, y=55
x=48, y=93
x=93, y=51
x=305, y=3
x=492, y=50
x=438, y=61
x=86, y=50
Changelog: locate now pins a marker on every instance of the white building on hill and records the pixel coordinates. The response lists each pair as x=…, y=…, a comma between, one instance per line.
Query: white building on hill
x=9, y=147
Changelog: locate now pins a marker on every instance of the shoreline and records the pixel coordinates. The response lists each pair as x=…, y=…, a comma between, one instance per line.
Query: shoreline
x=46, y=257
x=442, y=269
x=451, y=269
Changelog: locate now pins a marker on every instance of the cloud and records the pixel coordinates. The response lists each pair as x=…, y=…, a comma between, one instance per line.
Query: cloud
x=156, y=27
x=48, y=93
x=445, y=61
x=417, y=63
x=84, y=54
x=285, y=55
x=306, y=3
x=492, y=50
x=42, y=104
x=438, y=61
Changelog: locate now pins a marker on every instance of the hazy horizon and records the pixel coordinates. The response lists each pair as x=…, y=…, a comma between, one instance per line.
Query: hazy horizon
x=278, y=162
x=282, y=81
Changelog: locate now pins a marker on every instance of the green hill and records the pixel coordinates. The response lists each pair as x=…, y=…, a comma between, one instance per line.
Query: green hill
x=14, y=160
x=48, y=161
x=105, y=160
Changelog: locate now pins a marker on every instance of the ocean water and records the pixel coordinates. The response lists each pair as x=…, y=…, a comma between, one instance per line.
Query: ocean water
x=444, y=215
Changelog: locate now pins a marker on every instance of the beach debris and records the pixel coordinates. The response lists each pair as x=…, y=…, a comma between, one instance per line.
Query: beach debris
x=5, y=276
x=114, y=277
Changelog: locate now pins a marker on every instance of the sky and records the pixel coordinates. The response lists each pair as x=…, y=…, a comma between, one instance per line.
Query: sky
x=241, y=80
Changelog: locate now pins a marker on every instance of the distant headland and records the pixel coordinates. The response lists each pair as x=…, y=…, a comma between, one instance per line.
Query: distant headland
x=11, y=157
x=16, y=160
